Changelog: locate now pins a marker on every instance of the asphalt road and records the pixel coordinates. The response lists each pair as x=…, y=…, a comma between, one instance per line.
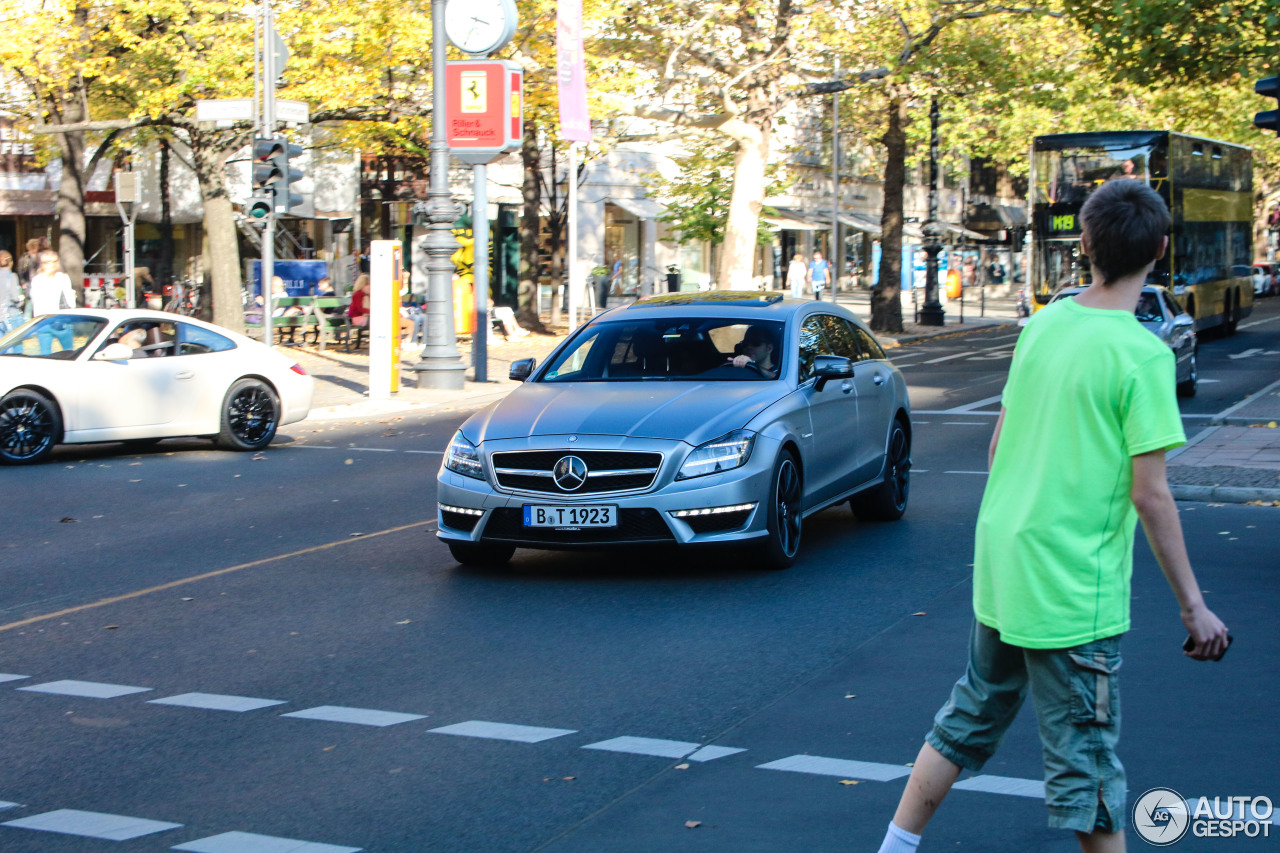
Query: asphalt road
x=308, y=576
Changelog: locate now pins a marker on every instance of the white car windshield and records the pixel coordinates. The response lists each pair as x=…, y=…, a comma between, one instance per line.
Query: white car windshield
x=677, y=349
x=59, y=336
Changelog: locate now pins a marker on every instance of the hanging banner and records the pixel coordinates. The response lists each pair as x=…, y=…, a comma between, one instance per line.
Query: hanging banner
x=571, y=73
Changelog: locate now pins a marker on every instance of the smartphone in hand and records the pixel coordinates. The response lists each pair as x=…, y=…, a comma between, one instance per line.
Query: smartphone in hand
x=1188, y=644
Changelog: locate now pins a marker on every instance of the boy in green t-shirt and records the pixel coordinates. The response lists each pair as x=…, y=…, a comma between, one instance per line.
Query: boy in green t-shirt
x=1076, y=458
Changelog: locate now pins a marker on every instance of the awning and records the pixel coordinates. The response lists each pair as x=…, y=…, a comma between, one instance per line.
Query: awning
x=858, y=222
x=971, y=235
x=1012, y=217
x=640, y=208
x=784, y=219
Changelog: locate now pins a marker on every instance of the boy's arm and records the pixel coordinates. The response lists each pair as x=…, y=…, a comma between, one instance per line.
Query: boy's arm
x=1154, y=502
x=995, y=439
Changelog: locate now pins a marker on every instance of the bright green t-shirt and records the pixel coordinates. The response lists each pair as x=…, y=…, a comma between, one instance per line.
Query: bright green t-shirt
x=1088, y=389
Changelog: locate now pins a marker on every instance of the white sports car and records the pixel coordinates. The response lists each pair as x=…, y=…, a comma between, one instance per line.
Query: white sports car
x=87, y=375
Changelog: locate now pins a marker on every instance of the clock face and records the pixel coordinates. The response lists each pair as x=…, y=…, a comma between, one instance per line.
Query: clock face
x=478, y=26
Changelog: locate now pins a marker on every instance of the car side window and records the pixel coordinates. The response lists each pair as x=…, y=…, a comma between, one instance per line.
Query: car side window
x=870, y=348
x=195, y=340
x=812, y=344
x=840, y=337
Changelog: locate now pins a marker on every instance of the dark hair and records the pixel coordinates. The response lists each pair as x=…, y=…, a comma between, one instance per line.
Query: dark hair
x=1124, y=222
x=757, y=335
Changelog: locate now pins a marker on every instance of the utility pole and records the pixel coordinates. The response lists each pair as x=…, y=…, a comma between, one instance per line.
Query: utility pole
x=837, y=250
x=931, y=313
x=440, y=365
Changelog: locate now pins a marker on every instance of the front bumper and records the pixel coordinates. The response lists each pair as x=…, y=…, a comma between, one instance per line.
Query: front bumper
x=472, y=510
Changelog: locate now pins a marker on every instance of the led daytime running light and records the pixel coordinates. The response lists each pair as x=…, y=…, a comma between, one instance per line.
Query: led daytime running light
x=712, y=510
x=460, y=510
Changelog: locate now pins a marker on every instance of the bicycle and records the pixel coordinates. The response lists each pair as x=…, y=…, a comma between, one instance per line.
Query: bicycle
x=184, y=298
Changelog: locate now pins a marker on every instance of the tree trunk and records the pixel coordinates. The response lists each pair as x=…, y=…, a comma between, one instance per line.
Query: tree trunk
x=737, y=259
x=886, y=296
x=70, y=207
x=223, y=263
x=527, y=290
x=164, y=261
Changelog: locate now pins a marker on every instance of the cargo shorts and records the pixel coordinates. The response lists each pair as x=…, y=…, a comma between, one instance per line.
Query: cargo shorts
x=1076, y=696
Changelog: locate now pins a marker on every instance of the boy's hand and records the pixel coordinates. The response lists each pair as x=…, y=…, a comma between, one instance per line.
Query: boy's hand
x=1207, y=632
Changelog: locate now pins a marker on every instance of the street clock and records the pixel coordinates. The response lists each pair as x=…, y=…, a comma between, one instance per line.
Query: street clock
x=479, y=27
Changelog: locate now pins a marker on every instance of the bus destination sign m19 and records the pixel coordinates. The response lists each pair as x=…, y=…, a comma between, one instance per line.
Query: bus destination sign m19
x=483, y=109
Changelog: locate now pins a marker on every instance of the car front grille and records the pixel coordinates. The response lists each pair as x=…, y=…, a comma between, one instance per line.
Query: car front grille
x=607, y=470
x=634, y=525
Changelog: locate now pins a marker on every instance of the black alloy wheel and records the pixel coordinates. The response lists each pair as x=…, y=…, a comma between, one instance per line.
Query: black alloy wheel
x=888, y=501
x=786, y=512
x=30, y=425
x=250, y=415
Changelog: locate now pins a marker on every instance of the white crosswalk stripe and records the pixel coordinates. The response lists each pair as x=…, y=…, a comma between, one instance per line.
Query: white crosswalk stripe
x=248, y=842
x=663, y=748
x=502, y=731
x=818, y=765
x=110, y=827
x=357, y=716
x=87, y=689
x=217, y=702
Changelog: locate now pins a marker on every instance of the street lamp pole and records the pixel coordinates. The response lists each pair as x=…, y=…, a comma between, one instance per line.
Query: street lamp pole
x=440, y=365
x=931, y=313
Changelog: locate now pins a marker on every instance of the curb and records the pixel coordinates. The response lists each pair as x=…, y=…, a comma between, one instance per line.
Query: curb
x=1225, y=494
x=904, y=340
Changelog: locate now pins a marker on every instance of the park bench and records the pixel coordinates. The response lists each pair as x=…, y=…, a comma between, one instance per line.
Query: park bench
x=327, y=325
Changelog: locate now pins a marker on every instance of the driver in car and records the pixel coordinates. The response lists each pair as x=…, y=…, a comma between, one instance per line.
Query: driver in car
x=758, y=349
x=134, y=339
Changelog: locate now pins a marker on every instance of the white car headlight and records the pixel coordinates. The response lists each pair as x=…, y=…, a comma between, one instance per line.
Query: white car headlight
x=720, y=454
x=461, y=457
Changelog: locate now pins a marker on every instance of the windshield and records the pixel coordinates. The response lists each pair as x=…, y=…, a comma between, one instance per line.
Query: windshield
x=1067, y=176
x=672, y=349
x=60, y=336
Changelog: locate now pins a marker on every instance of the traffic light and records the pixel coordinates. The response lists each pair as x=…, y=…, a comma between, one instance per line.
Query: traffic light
x=1268, y=87
x=268, y=180
x=289, y=152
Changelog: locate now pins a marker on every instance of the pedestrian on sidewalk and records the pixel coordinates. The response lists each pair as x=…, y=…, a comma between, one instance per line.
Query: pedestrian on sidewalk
x=1053, y=555
x=797, y=273
x=819, y=274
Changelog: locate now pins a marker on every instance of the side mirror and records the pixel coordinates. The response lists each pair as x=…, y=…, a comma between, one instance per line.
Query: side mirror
x=827, y=367
x=522, y=369
x=114, y=352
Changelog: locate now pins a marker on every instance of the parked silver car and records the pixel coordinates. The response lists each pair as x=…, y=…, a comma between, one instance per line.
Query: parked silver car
x=683, y=419
x=1161, y=313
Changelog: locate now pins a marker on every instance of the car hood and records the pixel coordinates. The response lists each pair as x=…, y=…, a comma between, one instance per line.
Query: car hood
x=684, y=411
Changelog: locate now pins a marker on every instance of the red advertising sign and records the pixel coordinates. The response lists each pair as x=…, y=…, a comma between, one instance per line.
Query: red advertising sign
x=483, y=109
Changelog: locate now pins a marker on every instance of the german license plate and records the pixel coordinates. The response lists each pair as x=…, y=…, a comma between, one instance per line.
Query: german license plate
x=550, y=515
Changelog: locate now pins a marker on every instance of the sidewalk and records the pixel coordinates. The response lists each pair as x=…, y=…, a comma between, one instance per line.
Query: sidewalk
x=1234, y=460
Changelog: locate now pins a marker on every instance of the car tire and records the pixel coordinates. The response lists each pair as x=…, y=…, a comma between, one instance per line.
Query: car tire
x=1188, y=388
x=785, y=508
x=30, y=425
x=481, y=554
x=250, y=416
x=888, y=500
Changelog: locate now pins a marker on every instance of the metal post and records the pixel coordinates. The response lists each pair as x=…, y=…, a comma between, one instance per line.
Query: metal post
x=837, y=250
x=268, y=130
x=480, y=230
x=931, y=314
x=440, y=365
x=575, y=286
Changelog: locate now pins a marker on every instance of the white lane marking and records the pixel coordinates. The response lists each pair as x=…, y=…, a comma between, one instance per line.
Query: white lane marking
x=1208, y=381
x=373, y=449
x=915, y=423
x=1258, y=322
x=110, y=827
x=942, y=358
x=967, y=353
x=217, y=702
x=1002, y=785
x=9, y=805
x=979, y=473
x=919, y=470
x=820, y=766
x=711, y=753
x=88, y=689
x=949, y=412
x=313, y=446
x=979, y=404
x=248, y=842
x=663, y=748
x=1251, y=398
x=441, y=452
x=1244, y=354
x=358, y=716
x=502, y=731
x=6, y=676
x=964, y=423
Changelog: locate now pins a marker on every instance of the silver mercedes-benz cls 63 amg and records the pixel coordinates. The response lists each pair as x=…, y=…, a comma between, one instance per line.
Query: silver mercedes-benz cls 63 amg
x=684, y=419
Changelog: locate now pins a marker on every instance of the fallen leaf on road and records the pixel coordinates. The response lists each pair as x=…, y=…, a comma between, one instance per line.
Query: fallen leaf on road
x=355, y=534
x=404, y=622
x=849, y=782
x=66, y=519
x=112, y=627
x=921, y=613
x=684, y=766
x=693, y=824
x=327, y=748
x=348, y=461
x=188, y=599
x=851, y=695
x=135, y=481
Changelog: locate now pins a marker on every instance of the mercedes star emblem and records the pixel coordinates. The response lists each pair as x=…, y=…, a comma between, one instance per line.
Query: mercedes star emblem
x=569, y=473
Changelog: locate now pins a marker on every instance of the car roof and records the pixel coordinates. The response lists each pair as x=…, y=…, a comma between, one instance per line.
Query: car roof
x=123, y=315
x=755, y=304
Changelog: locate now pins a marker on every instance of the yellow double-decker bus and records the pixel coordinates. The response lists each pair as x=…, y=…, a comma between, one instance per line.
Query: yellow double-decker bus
x=1208, y=186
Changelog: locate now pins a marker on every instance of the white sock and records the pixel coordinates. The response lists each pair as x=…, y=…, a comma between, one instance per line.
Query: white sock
x=898, y=840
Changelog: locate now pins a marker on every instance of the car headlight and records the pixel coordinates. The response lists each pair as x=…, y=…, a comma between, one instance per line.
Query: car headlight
x=461, y=457
x=720, y=454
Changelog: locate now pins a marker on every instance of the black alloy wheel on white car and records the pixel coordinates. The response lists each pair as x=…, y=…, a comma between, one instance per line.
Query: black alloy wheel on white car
x=30, y=425
x=250, y=415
